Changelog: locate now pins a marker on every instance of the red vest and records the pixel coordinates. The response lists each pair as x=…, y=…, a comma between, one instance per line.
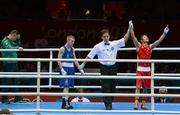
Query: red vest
x=144, y=52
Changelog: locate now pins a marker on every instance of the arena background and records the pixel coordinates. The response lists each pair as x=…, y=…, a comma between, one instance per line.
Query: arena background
x=45, y=23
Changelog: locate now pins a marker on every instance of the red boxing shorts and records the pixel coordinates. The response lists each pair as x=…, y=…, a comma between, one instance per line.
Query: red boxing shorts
x=144, y=83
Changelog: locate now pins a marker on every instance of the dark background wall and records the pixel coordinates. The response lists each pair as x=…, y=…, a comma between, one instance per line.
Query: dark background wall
x=54, y=19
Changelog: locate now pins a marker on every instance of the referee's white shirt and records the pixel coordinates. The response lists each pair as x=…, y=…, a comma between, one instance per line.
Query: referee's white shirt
x=107, y=51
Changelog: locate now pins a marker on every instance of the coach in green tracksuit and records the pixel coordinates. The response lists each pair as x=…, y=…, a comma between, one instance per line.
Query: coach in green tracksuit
x=12, y=41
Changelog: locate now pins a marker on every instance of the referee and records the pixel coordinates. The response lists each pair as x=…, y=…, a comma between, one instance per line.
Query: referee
x=107, y=50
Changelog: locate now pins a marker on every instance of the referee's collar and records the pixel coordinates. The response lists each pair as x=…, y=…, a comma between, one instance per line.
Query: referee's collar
x=106, y=43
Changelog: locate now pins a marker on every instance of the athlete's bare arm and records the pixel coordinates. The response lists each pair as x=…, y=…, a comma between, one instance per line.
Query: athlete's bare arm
x=60, y=54
x=161, y=38
x=135, y=41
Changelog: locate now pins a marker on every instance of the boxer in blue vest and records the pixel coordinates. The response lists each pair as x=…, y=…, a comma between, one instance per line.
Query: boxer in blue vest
x=67, y=68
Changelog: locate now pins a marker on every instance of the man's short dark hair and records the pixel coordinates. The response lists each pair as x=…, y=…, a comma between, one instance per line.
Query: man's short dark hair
x=5, y=111
x=103, y=31
x=14, y=32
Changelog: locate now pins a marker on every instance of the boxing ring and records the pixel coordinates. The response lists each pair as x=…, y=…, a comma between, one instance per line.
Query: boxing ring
x=93, y=108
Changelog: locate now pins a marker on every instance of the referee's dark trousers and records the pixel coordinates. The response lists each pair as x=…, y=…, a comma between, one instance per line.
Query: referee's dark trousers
x=108, y=85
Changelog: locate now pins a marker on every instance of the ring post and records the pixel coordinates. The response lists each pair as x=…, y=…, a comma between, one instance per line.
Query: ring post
x=38, y=88
x=50, y=69
x=152, y=86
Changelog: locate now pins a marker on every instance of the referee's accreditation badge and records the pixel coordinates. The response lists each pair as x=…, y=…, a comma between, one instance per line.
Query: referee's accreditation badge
x=112, y=48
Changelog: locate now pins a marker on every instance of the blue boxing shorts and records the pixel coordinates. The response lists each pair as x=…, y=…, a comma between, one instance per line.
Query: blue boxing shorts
x=67, y=82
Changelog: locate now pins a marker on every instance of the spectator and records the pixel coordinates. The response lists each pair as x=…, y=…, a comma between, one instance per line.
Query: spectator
x=5, y=111
x=80, y=98
x=164, y=90
x=41, y=42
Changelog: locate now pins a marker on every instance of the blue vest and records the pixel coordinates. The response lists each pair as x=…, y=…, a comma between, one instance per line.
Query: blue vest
x=68, y=55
